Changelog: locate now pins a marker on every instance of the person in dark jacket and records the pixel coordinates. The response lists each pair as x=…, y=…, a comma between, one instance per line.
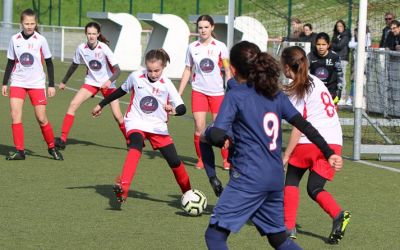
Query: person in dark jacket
x=393, y=39
x=308, y=35
x=389, y=17
x=340, y=45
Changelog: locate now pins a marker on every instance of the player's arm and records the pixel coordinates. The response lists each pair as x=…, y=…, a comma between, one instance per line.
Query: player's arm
x=225, y=63
x=118, y=93
x=184, y=80
x=116, y=72
x=293, y=140
x=69, y=73
x=7, y=74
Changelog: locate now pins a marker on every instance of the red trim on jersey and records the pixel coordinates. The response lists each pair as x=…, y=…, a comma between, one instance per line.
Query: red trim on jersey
x=19, y=36
x=162, y=80
x=130, y=103
x=142, y=76
x=110, y=66
x=213, y=43
x=34, y=36
x=99, y=46
x=305, y=111
x=194, y=77
x=86, y=46
x=197, y=44
x=220, y=63
x=41, y=56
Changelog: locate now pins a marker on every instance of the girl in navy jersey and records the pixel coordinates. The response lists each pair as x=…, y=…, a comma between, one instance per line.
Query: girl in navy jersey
x=204, y=61
x=25, y=53
x=154, y=97
x=102, y=71
x=325, y=64
x=312, y=99
x=253, y=111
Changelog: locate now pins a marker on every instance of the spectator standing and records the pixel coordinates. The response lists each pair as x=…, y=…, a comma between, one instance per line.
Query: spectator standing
x=308, y=35
x=389, y=17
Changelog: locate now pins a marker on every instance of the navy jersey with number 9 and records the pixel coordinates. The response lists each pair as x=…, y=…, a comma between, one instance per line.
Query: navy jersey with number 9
x=257, y=132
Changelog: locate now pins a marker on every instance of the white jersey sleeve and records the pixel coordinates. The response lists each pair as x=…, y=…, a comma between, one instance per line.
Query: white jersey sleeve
x=77, y=56
x=45, y=49
x=189, y=58
x=129, y=83
x=10, y=50
x=174, y=98
x=110, y=56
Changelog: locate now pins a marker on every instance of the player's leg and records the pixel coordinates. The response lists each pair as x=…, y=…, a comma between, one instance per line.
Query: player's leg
x=199, y=110
x=291, y=197
x=216, y=237
x=116, y=111
x=135, y=147
x=178, y=168
x=214, y=103
x=81, y=96
x=17, y=97
x=47, y=131
x=209, y=165
x=315, y=189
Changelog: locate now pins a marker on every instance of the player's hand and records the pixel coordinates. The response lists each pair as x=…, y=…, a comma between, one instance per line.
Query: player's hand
x=336, y=162
x=216, y=185
x=51, y=91
x=61, y=86
x=106, y=85
x=96, y=112
x=4, y=91
x=285, y=159
x=169, y=109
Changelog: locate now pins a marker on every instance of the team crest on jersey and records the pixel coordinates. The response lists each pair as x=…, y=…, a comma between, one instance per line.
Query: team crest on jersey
x=95, y=65
x=206, y=65
x=322, y=73
x=148, y=104
x=26, y=59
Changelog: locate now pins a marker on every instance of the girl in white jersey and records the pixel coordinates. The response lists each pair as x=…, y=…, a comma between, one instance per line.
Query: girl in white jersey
x=102, y=71
x=312, y=99
x=204, y=61
x=25, y=53
x=153, y=98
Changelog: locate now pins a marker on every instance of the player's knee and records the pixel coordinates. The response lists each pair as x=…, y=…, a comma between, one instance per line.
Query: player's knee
x=136, y=141
x=171, y=156
x=216, y=237
x=276, y=239
x=314, y=190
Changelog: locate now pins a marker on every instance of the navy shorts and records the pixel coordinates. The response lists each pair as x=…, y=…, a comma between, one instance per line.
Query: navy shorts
x=235, y=207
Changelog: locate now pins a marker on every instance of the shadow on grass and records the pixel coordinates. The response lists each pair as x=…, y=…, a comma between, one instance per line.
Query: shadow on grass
x=106, y=191
x=152, y=154
x=73, y=141
x=5, y=150
x=304, y=232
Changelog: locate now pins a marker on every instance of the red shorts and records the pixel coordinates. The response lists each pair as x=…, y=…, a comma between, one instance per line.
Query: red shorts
x=157, y=141
x=94, y=90
x=205, y=103
x=309, y=156
x=37, y=96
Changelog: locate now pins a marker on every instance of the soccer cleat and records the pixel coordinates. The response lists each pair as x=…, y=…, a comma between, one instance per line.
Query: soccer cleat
x=55, y=154
x=349, y=102
x=199, y=164
x=216, y=185
x=226, y=165
x=342, y=102
x=18, y=155
x=292, y=233
x=119, y=193
x=339, y=226
x=60, y=144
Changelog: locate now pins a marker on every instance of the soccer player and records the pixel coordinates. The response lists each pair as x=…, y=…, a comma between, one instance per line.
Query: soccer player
x=25, y=53
x=204, y=61
x=310, y=97
x=102, y=71
x=253, y=110
x=154, y=97
x=325, y=64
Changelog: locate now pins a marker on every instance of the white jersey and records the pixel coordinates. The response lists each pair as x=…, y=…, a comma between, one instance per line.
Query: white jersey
x=28, y=55
x=206, y=61
x=318, y=109
x=146, y=109
x=99, y=62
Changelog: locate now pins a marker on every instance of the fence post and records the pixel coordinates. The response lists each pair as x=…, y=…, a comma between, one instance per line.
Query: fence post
x=197, y=7
x=50, y=10
x=289, y=17
x=350, y=14
x=38, y=11
x=162, y=6
x=80, y=13
x=240, y=7
x=130, y=6
x=62, y=43
x=104, y=5
x=59, y=12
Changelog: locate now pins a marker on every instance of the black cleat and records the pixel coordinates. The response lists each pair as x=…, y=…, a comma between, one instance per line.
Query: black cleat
x=60, y=144
x=119, y=193
x=55, y=154
x=339, y=226
x=216, y=185
x=18, y=155
x=292, y=233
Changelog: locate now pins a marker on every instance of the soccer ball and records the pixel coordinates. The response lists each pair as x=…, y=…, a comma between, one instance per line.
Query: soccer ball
x=194, y=202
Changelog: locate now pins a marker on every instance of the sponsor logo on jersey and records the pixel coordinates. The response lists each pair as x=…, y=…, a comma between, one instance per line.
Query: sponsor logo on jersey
x=26, y=59
x=206, y=65
x=322, y=73
x=148, y=104
x=95, y=65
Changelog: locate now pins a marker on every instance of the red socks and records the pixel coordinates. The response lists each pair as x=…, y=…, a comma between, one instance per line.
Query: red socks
x=182, y=178
x=224, y=154
x=291, y=204
x=66, y=127
x=48, y=135
x=196, y=139
x=328, y=204
x=18, y=136
x=129, y=168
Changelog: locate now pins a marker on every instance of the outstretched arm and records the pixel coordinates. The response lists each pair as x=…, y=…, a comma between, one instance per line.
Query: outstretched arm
x=184, y=80
x=116, y=72
x=114, y=95
x=69, y=73
x=293, y=140
x=7, y=74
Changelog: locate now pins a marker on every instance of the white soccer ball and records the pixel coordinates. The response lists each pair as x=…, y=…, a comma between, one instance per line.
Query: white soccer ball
x=194, y=202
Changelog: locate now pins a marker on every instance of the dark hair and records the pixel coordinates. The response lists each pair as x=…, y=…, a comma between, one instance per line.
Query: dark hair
x=29, y=12
x=308, y=25
x=296, y=59
x=395, y=22
x=322, y=35
x=258, y=68
x=158, y=54
x=335, y=31
x=207, y=18
x=97, y=26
